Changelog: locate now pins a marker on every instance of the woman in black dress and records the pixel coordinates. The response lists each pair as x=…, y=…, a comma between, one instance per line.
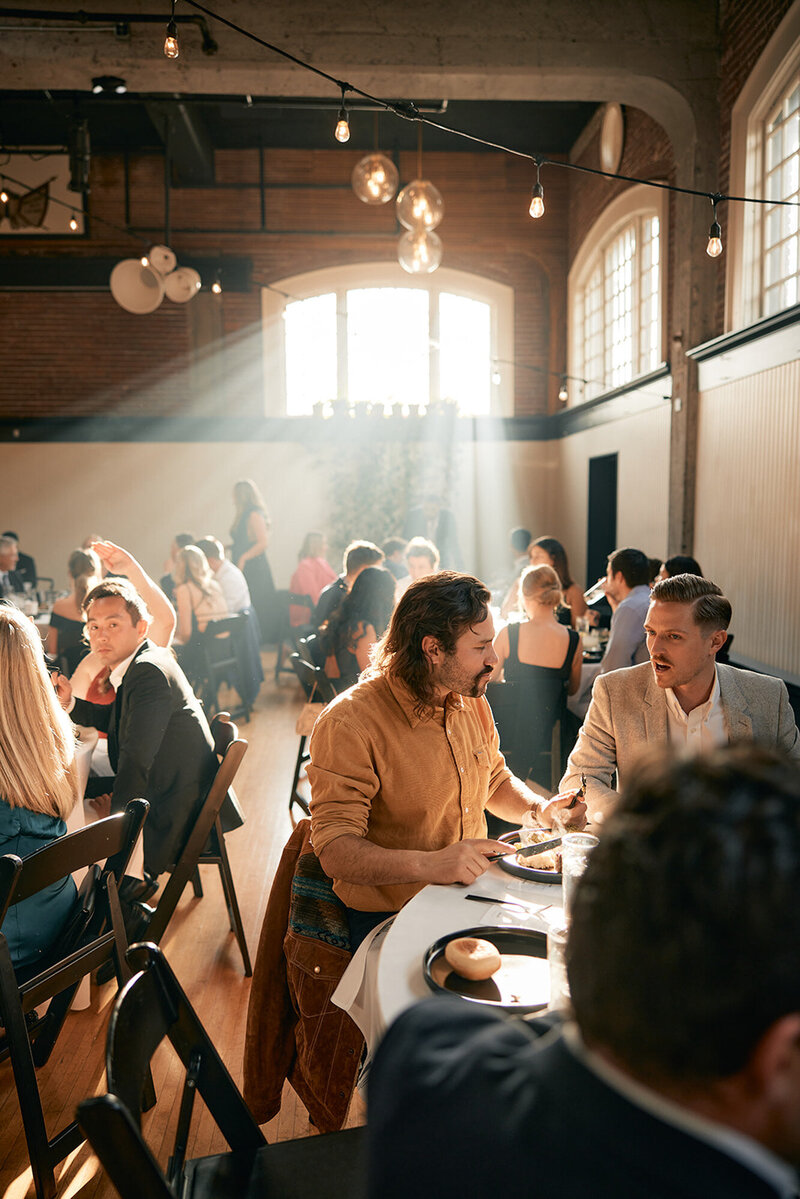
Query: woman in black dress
x=250, y=534
x=357, y=624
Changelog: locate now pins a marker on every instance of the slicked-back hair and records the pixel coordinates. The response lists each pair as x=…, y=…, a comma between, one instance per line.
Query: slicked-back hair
x=685, y=926
x=443, y=606
x=361, y=553
x=632, y=564
x=110, y=588
x=710, y=609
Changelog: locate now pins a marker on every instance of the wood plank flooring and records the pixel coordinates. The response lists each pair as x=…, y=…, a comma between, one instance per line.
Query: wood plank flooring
x=206, y=959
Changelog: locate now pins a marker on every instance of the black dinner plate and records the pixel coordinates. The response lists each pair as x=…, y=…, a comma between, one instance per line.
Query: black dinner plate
x=512, y=866
x=522, y=984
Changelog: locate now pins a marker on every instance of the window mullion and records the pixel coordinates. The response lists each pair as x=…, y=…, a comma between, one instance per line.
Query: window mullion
x=342, y=379
x=434, y=360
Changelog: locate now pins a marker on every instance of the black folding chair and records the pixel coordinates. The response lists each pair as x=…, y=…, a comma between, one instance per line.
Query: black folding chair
x=152, y=1008
x=94, y=934
x=205, y=845
x=290, y=634
x=318, y=687
x=224, y=655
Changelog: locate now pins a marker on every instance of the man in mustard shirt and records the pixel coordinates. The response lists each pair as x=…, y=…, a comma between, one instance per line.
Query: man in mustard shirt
x=404, y=763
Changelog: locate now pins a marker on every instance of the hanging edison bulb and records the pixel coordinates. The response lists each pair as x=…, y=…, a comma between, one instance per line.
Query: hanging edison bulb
x=420, y=205
x=171, y=47
x=375, y=179
x=419, y=251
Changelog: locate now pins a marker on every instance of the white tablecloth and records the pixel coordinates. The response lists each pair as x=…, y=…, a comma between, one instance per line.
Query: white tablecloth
x=380, y=983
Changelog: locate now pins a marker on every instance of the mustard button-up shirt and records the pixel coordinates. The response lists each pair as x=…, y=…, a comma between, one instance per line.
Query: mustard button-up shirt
x=380, y=771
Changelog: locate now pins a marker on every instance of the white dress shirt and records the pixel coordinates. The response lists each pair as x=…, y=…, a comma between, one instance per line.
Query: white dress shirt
x=234, y=587
x=701, y=729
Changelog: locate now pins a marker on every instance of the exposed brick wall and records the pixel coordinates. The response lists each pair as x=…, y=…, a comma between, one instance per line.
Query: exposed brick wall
x=80, y=353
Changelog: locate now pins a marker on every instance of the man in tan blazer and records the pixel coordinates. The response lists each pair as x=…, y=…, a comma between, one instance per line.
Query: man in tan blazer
x=681, y=696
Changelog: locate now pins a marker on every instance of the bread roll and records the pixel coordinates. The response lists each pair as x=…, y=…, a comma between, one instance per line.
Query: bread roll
x=472, y=958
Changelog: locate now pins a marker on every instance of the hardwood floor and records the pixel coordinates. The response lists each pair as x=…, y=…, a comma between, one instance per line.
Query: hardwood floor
x=204, y=956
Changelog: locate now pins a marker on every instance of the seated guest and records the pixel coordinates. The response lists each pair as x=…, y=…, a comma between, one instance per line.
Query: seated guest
x=11, y=582
x=65, y=635
x=198, y=596
x=627, y=586
x=680, y=564
x=680, y=1076
x=230, y=578
x=404, y=763
x=356, y=625
x=357, y=557
x=547, y=551
x=39, y=784
x=519, y=541
x=90, y=679
x=167, y=580
x=681, y=696
x=433, y=522
x=422, y=558
x=394, y=556
x=26, y=567
x=313, y=572
x=159, y=743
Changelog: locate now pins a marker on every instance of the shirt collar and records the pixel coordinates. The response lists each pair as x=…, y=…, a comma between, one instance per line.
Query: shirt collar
x=750, y=1153
x=704, y=710
x=118, y=673
x=407, y=701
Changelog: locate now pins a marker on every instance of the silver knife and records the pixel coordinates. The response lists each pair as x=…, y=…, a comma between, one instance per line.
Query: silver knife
x=527, y=851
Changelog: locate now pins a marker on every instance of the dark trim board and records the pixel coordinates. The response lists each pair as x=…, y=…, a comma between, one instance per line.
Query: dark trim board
x=742, y=337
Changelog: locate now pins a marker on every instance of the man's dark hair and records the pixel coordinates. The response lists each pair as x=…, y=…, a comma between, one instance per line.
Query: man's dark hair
x=210, y=547
x=520, y=539
x=683, y=948
x=183, y=539
x=136, y=607
x=394, y=545
x=441, y=606
x=633, y=565
x=710, y=609
x=361, y=553
x=682, y=564
x=8, y=533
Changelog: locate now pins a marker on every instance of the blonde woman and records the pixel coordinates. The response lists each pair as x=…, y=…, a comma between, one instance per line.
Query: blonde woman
x=66, y=621
x=38, y=781
x=542, y=659
x=198, y=596
x=250, y=533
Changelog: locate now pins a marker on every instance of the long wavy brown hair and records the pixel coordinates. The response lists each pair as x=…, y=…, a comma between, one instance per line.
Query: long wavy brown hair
x=441, y=606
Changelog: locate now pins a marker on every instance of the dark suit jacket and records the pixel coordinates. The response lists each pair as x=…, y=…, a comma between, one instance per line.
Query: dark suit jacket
x=160, y=747
x=14, y=585
x=467, y=1103
x=26, y=569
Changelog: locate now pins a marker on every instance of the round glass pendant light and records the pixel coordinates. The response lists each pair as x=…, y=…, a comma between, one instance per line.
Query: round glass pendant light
x=419, y=252
x=375, y=179
x=420, y=205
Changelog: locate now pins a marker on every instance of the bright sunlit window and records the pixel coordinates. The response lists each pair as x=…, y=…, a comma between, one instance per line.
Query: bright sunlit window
x=370, y=337
x=616, y=299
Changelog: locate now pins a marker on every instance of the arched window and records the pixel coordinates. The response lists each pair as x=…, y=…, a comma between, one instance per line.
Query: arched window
x=765, y=162
x=370, y=334
x=616, y=289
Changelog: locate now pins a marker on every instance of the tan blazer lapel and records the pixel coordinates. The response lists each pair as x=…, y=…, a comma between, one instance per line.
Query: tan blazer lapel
x=654, y=711
x=734, y=707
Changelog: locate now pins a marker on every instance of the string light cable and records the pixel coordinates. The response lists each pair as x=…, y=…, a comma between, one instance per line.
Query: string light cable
x=408, y=110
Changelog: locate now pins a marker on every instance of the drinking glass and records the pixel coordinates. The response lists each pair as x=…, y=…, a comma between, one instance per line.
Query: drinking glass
x=575, y=850
x=556, y=959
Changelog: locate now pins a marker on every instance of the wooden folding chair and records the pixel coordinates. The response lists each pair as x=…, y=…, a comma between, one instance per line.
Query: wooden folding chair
x=318, y=687
x=93, y=934
x=152, y=1008
x=205, y=844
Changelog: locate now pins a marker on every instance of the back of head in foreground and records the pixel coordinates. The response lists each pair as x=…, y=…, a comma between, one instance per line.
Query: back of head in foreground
x=683, y=947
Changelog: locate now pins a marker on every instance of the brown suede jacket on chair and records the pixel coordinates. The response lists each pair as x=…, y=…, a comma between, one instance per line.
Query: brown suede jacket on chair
x=293, y=1029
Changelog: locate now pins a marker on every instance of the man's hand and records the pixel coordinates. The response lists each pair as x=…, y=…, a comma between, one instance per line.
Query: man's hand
x=116, y=559
x=101, y=806
x=559, y=812
x=460, y=863
x=63, y=688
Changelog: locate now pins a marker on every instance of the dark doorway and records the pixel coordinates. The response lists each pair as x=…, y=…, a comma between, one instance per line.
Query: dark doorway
x=602, y=516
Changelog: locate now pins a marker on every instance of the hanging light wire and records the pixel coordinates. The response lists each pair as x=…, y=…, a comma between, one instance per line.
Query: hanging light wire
x=714, y=246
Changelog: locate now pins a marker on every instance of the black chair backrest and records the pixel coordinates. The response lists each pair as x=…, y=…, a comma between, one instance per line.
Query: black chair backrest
x=525, y=715
x=311, y=649
x=314, y=680
x=151, y=1008
x=224, y=732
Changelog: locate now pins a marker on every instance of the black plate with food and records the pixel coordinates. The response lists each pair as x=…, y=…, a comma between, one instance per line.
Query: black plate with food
x=522, y=982
x=511, y=864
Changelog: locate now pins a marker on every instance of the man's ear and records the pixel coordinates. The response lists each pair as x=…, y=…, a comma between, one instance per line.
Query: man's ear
x=718, y=639
x=142, y=629
x=774, y=1064
x=432, y=649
